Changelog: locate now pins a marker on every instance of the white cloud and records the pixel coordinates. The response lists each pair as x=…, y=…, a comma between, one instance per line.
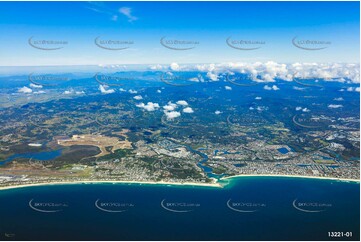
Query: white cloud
x=159, y=91
x=172, y=114
x=212, y=76
x=139, y=97
x=188, y=110
x=228, y=88
x=103, y=89
x=258, y=98
x=271, y=71
x=353, y=89
x=150, y=106
x=122, y=90
x=298, y=108
x=299, y=88
x=305, y=110
x=67, y=92
x=25, y=90
x=182, y=102
x=274, y=88
x=156, y=67
x=335, y=106
x=174, y=66
x=40, y=92
x=35, y=86
x=128, y=13
x=217, y=112
x=338, y=99
x=79, y=92
x=132, y=91
x=170, y=106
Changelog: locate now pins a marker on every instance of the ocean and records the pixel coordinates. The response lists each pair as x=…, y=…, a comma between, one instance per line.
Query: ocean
x=247, y=208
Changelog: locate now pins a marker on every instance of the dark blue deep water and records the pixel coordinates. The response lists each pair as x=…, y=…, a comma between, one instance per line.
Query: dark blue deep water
x=263, y=209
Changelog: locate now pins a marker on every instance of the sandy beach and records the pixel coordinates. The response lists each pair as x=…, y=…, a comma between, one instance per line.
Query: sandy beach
x=292, y=176
x=216, y=185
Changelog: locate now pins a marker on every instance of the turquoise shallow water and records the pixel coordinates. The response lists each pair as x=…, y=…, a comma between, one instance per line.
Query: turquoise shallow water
x=250, y=208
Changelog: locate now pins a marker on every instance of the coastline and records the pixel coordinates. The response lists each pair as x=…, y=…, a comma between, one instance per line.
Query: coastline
x=213, y=185
x=292, y=176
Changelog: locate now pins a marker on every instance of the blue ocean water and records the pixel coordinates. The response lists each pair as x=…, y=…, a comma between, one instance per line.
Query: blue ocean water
x=249, y=208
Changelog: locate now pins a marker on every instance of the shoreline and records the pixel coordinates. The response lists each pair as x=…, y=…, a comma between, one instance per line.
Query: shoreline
x=87, y=182
x=212, y=185
x=292, y=176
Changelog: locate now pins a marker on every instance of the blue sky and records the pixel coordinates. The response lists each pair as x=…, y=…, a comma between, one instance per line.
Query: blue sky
x=208, y=23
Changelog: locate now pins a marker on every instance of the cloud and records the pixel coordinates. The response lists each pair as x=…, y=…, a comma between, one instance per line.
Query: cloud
x=139, y=97
x=156, y=67
x=258, y=98
x=261, y=108
x=103, y=90
x=338, y=99
x=272, y=71
x=79, y=92
x=67, y=92
x=274, y=88
x=132, y=91
x=172, y=114
x=212, y=76
x=122, y=90
x=188, y=110
x=217, y=112
x=128, y=13
x=170, y=106
x=174, y=66
x=150, y=106
x=228, y=88
x=182, y=102
x=35, y=86
x=353, y=89
x=159, y=91
x=299, y=88
x=302, y=109
x=25, y=90
x=102, y=8
x=335, y=106
x=40, y=92
x=305, y=110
